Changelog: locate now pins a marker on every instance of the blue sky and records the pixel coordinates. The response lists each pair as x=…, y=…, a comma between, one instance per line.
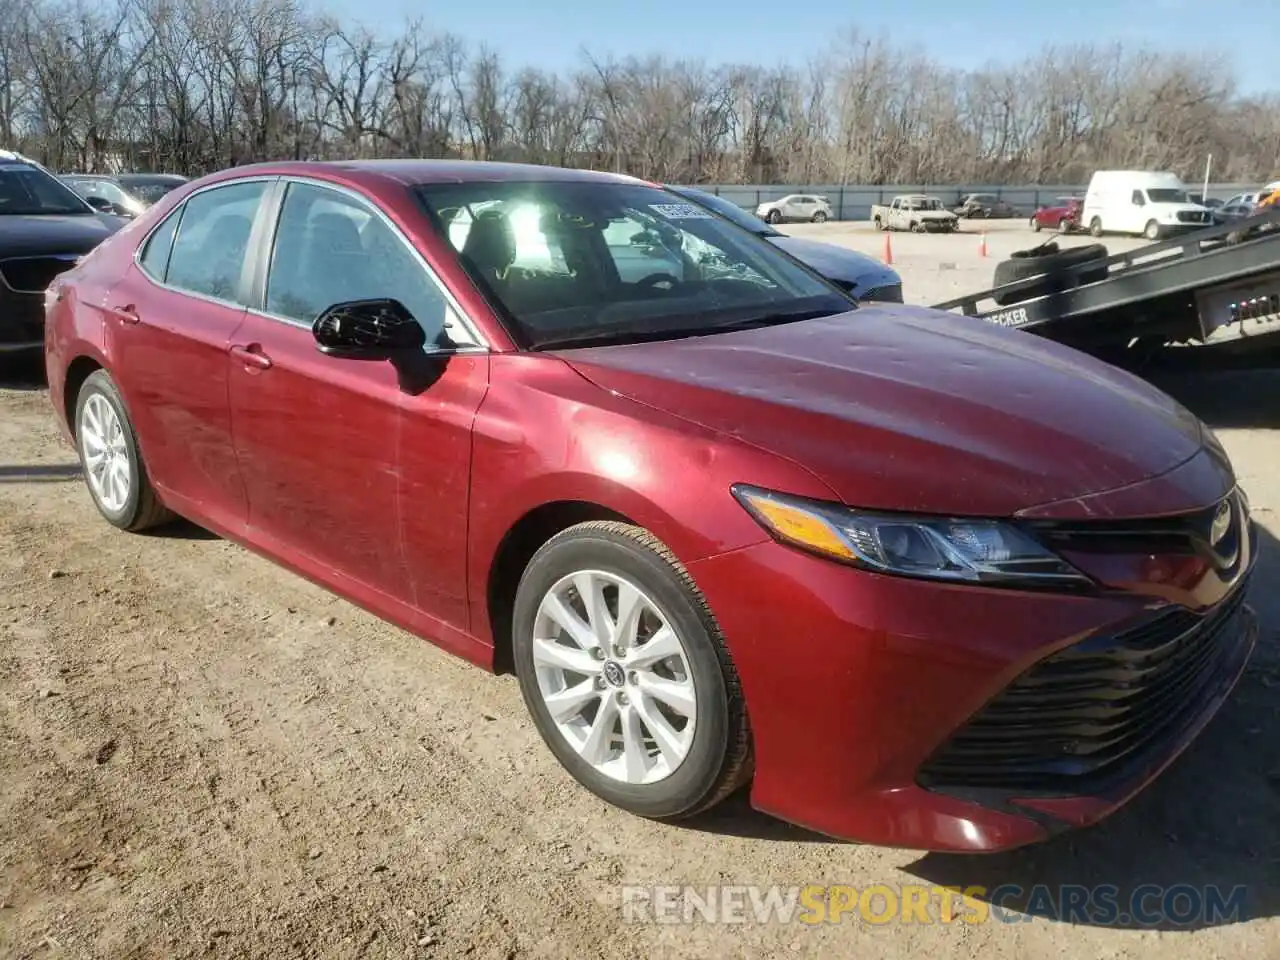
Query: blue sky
x=552, y=34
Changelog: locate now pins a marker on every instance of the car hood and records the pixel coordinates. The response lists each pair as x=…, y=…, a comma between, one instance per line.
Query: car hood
x=33, y=236
x=907, y=408
x=837, y=263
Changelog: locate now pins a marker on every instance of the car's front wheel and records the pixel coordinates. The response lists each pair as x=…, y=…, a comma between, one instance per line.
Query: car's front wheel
x=774, y=216
x=113, y=467
x=623, y=669
x=820, y=217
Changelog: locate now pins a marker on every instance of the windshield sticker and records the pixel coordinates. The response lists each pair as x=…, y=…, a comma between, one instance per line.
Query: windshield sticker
x=680, y=211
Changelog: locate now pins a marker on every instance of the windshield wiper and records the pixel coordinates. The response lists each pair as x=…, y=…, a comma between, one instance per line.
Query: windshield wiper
x=590, y=337
x=762, y=320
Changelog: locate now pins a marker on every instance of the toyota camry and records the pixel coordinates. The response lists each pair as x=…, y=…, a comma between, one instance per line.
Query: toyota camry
x=904, y=576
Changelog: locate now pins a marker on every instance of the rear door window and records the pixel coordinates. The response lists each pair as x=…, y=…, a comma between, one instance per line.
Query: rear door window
x=208, y=255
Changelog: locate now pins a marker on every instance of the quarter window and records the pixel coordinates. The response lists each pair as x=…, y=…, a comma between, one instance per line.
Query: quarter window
x=213, y=236
x=155, y=256
x=331, y=248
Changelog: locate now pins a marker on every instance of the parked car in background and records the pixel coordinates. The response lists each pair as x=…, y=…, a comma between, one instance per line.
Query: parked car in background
x=1233, y=211
x=1063, y=216
x=985, y=206
x=45, y=227
x=796, y=208
x=104, y=194
x=1152, y=204
x=672, y=504
x=915, y=212
x=150, y=187
x=865, y=277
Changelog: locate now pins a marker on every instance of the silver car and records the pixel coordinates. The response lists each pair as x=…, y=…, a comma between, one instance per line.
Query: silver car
x=796, y=208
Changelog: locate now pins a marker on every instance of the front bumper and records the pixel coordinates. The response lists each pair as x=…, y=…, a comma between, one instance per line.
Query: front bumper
x=855, y=681
x=21, y=322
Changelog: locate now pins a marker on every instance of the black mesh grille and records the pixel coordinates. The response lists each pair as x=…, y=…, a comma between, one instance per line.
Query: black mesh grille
x=33, y=274
x=1080, y=714
x=889, y=293
x=1193, y=216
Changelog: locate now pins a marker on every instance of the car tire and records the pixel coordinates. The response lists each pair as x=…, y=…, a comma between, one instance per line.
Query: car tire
x=879, y=223
x=1035, y=224
x=774, y=216
x=114, y=471
x=1046, y=259
x=1095, y=227
x=1064, y=226
x=917, y=226
x=715, y=759
x=1151, y=231
x=819, y=217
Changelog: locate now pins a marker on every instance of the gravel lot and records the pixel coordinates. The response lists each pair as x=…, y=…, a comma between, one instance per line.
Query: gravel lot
x=202, y=755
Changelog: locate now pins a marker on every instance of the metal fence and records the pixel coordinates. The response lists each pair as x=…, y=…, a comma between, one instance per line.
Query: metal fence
x=853, y=201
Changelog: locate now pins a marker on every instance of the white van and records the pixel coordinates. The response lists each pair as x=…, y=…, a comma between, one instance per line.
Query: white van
x=1142, y=203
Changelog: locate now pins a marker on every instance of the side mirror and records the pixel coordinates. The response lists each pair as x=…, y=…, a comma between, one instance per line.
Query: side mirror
x=101, y=204
x=367, y=330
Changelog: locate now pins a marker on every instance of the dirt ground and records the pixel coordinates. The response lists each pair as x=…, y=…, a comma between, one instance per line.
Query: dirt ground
x=204, y=756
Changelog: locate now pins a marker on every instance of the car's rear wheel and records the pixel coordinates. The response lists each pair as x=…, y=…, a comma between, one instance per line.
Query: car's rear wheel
x=1095, y=227
x=623, y=669
x=113, y=467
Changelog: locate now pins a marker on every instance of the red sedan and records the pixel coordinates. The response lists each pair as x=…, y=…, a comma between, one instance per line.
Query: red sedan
x=916, y=579
x=1064, y=216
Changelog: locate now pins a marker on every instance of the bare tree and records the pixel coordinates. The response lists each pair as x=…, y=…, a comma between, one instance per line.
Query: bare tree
x=195, y=85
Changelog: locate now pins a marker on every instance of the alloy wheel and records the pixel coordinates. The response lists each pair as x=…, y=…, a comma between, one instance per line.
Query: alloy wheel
x=105, y=453
x=614, y=676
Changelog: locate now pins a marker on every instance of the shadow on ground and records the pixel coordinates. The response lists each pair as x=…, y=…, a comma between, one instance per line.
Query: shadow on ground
x=39, y=473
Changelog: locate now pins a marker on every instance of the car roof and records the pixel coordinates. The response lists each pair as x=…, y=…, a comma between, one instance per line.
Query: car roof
x=415, y=172
x=174, y=178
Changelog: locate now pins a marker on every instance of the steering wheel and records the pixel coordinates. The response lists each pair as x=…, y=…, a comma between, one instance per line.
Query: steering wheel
x=653, y=279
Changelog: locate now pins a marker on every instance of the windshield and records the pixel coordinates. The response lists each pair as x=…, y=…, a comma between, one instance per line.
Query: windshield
x=729, y=210
x=90, y=187
x=577, y=262
x=26, y=190
x=1167, y=195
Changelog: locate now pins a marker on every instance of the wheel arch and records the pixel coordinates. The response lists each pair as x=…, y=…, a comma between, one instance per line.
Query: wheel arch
x=516, y=548
x=78, y=371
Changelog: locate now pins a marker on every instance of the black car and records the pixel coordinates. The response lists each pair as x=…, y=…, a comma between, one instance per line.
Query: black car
x=45, y=227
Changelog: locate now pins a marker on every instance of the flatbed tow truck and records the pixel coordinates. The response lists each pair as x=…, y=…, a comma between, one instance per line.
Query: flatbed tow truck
x=1219, y=285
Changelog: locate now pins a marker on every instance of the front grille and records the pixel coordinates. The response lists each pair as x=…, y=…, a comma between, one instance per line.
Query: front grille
x=1079, y=716
x=1192, y=216
x=34, y=274
x=889, y=293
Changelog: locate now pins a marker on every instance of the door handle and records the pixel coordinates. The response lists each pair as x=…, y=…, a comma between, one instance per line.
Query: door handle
x=126, y=314
x=251, y=355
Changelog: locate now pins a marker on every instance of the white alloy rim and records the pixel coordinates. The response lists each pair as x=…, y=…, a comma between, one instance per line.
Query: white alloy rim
x=614, y=676
x=105, y=455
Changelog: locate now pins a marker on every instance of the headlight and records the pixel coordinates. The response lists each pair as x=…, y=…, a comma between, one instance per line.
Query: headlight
x=933, y=548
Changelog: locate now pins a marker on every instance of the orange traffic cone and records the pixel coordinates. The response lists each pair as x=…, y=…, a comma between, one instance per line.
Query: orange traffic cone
x=982, y=246
x=888, y=251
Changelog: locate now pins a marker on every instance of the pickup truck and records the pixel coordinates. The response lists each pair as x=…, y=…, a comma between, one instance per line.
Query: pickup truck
x=915, y=212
